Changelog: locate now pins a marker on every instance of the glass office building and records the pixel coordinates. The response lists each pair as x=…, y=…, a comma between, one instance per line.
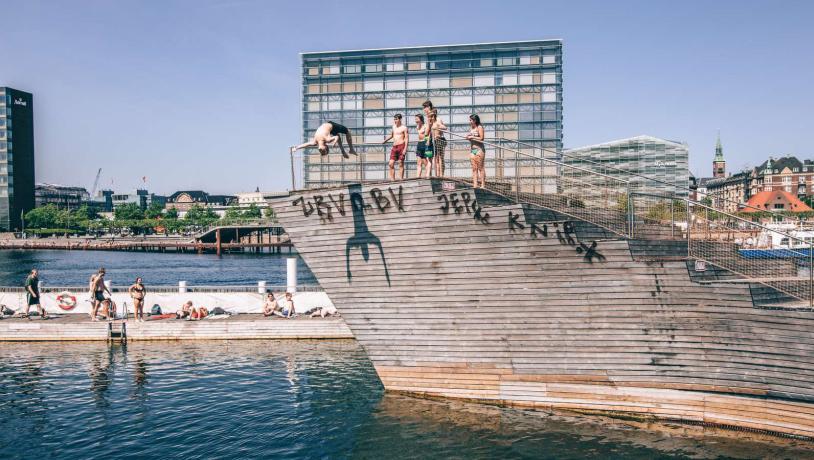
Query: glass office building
x=516, y=88
x=16, y=157
x=660, y=159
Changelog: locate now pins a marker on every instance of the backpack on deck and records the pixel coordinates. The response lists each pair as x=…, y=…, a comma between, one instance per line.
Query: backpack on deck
x=156, y=310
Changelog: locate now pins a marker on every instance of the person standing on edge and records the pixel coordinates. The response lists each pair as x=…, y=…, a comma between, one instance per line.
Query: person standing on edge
x=137, y=292
x=400, y=135
x=98, y=290
x=439, y=142
x=477, y=151
x=421, y=148
x=32, y=293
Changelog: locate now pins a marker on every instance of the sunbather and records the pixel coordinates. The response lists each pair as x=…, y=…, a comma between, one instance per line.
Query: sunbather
x=288, y=312
x=184, y=311
x=271, y=307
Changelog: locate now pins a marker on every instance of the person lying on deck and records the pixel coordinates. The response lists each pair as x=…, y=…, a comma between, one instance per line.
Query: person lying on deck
x=271, y=307
x=324, y=311
x=184, y=311
x=198, y=313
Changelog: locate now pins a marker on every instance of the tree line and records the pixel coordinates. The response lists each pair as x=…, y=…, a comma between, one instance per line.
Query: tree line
x=49, y=219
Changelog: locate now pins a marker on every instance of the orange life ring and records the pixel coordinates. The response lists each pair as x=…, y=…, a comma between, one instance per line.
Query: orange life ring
x=66, y=301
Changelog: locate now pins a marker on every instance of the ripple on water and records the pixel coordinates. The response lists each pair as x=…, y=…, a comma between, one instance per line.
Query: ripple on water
x=285, y=399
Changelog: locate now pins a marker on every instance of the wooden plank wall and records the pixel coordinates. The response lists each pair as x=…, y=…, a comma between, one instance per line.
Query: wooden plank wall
x=504, y=308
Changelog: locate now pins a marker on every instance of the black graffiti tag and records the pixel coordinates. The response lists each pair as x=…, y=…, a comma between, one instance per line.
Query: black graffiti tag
x=306, y=211
x=338, y=206
x=590, y=252
x=513, y=223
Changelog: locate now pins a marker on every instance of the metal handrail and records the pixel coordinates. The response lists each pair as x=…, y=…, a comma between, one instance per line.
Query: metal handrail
x=532, y=157
x=623, y=171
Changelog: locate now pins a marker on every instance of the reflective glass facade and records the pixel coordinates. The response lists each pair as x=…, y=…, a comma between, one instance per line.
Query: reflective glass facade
x=516, y=88
x=16, y=157
x=663, y=160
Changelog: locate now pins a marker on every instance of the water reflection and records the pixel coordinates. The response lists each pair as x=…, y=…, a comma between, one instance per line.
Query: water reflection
x=287, y=399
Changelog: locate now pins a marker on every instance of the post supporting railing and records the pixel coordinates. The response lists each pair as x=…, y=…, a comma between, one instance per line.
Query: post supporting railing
x=516, y=175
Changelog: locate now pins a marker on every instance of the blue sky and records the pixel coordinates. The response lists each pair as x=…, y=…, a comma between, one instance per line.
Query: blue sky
x=205, y=94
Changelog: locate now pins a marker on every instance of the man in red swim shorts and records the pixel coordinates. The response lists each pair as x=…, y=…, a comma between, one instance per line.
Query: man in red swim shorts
x=400, y=137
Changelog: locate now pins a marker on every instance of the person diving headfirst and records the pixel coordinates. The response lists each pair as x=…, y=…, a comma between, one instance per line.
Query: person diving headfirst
x=327, y=135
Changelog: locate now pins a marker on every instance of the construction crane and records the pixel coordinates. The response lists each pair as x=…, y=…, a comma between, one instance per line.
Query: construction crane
x=95, y=183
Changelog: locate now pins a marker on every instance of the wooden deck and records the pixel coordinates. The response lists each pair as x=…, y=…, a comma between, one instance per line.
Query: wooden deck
x=77, y=327
x=501, y=303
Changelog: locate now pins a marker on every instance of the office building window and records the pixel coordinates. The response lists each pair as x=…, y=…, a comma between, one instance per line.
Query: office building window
x=394, y=65
x=374, y=85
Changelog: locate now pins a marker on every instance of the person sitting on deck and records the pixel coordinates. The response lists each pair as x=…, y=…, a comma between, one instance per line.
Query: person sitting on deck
x=288, y=312
x=184, y=311
x=108, y=309
x=271, y=307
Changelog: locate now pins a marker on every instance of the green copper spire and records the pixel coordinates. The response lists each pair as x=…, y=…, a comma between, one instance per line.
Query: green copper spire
x=719, y=150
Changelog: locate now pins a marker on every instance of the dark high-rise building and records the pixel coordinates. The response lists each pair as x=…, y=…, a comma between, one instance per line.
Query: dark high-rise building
x=16, y=157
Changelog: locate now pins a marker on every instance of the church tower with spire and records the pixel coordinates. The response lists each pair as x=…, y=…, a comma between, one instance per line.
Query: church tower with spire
x=719, y=164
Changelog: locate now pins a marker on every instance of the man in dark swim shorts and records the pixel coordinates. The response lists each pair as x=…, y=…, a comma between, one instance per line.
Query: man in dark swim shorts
x=327, y=135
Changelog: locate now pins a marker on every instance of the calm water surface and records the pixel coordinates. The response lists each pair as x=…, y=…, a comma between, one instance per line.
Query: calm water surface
x=72, y=268
x=284, y=399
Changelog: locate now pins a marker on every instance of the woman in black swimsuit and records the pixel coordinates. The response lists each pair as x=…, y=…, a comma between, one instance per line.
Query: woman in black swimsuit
x=137, y=292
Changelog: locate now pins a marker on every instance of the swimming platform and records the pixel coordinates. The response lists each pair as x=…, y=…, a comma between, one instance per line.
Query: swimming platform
x=246, y=326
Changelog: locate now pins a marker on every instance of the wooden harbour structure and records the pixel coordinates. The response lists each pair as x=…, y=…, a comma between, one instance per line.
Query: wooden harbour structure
x=77, y=327
x=561, y=297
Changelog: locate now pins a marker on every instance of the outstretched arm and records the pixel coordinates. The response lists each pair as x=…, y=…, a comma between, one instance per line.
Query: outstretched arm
x=312, y=143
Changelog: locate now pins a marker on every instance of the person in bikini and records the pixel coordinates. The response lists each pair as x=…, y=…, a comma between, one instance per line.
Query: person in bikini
x=137, y=292
x=477, y=151
x=439, y=142
x=327, y=135
x=421, y=148
x=399, y=134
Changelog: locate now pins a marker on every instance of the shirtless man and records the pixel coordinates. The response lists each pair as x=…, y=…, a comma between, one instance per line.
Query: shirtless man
x=327, y=135
x=98, y=289
x=437, y=139
x=399, y=135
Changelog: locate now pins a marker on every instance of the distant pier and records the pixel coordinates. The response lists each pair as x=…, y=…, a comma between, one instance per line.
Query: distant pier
x=260, y=238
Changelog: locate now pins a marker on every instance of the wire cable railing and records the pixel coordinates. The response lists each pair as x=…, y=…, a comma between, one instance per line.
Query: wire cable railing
x=601, y=194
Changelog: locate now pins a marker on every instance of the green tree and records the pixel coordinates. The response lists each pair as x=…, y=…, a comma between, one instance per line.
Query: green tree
x=171, y=214
x=269, y=213
x=252, y=212
x=199, y=214
x=85, y=212
x=233, y=213
x=154, y=211
x=128, y=211
x=42, y=217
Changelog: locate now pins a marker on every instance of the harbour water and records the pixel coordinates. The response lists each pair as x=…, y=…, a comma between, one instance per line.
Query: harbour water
x=275, y=399
x=73, y=268
x=281, y=399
